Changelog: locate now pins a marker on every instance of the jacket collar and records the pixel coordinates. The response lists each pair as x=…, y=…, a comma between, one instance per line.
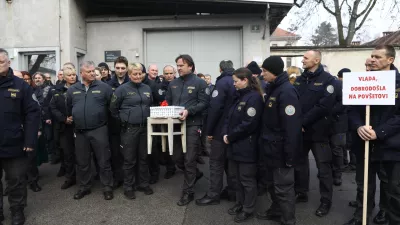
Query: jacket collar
x=8, y=81
x=187, y=77
x=308, y=74
x=225, y=73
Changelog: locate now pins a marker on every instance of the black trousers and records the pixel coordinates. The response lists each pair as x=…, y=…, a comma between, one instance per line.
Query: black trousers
x=116, y=157
x=96, y=140
x=374, y=169
x=32, y=172
x=218, y=164
x=188, y=159
x=262, y=169
x=15, y=176
x=134, y=152
x=323, y=158
x=338, y=144
x=392, y=193
x=281, y=189
x=68, y=147
x=246, y=184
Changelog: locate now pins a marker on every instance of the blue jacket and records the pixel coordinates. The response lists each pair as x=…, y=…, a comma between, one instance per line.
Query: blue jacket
x=220, y=103
x=242, y=126
x=339, y=112
x=317, y=99
x=113, y=82
x=281, y=123
x=385, y=121
x=20, y=116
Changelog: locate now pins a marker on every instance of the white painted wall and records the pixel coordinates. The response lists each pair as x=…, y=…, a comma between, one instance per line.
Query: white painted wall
x=127, y=34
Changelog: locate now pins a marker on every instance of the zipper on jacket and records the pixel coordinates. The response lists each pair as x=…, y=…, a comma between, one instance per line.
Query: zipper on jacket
x=141, y=101
x=84, y=108
x=183, y=85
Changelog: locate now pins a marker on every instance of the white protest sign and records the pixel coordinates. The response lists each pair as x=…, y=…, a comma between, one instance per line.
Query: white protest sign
x=369, y=88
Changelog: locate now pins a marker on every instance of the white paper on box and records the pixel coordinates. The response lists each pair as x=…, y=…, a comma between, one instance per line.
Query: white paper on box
x=369, y=88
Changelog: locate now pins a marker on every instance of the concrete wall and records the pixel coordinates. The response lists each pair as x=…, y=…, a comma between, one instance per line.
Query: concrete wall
x=127, y=34
x=42, y=25
x=336, y=58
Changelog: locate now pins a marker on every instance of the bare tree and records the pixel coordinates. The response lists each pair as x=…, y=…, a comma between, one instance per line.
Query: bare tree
x=350, y=15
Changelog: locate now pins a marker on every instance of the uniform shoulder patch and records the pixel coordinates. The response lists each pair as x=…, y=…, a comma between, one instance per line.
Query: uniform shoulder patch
x=113, y=98
x=330, y=89
x=215, y=93
x=251, y=112
x=160, y=92
x=290, y=110
x=207, y=91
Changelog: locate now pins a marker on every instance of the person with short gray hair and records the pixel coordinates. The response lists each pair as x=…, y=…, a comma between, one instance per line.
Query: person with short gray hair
x=87, y=105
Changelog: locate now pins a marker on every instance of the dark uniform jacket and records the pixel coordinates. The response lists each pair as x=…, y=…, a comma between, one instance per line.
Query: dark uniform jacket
x=385, y=121
x=317, y=98
x=58, y=107
x=220, y=103
x=19, y=116
x=281, y=123
x=114, y=125
x=242, y=126
x=153, y=86
x=339, y=111
x=43, y=95
x=161, y=91
x=89, y=109
x=131, y=103
x=192, y=93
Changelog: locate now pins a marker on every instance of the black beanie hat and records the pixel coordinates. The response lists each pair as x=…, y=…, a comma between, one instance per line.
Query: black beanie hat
x=274, y=64
x=344, y=70
x=254, y=68
x=103, y=64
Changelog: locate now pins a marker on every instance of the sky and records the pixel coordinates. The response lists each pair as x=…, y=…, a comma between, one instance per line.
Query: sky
x=379, y=20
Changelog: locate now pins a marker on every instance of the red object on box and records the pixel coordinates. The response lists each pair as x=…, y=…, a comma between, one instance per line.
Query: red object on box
x=164, y=103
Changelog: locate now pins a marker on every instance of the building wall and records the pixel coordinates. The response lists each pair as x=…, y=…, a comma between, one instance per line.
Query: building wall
x=128, y=35
x=336, y=58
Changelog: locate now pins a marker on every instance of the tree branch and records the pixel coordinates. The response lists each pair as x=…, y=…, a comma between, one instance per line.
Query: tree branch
x=325, y=7
x=299, y=5
x=348, y=5
x=366, y=8
x=341, y=5
x=366, y=15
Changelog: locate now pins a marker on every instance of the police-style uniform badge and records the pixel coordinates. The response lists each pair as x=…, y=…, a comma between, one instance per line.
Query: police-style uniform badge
x=330, y=89
x=270, y=104
x=113, y=98
x=190, y=91
x=214, y=94
x=160, y=92
x=207, y=91
x=251, y=111
x=290, y=110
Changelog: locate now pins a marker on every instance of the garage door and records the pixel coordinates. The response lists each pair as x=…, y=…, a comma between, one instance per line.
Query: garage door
x=207, y=47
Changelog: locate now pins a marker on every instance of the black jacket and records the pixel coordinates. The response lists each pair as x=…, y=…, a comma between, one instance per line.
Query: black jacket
x=161, y=91
x=317, y=98
x=339, y=111
x=114, y=83
x=131, y=103
x=281, y=123
x=58, y=106
x=242, y=126
x=191, y=92
x=114, y=125
x=19, y=123
x=89, y=109
x=43, y=95
x=220, y=103
x=153, y=86
x=385, y=121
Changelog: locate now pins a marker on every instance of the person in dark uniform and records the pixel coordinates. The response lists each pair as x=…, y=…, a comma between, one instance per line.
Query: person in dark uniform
x=241, y=132
x=281, y=139
x=317, y=97
x=338, y=132
x=156, y=154
x=65, y=124
x=119, y=78
x=88, y=104
x=191, y=92
x=220, y=103
x=384, y=136
x=131, y=105
x=19, y=131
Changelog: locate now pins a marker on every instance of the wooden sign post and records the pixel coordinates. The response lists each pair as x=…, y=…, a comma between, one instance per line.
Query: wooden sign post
x=369, y=88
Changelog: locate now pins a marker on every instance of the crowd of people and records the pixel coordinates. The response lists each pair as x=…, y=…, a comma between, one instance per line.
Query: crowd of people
x=256, y=124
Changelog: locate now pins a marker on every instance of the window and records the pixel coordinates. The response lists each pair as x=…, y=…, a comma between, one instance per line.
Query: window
x=288, y=62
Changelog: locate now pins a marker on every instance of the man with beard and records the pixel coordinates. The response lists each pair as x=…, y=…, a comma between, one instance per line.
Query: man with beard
x=120, y=77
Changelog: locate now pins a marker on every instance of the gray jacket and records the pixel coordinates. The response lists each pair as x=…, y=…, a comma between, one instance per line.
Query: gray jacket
x=192, y=93
x=131, y=103
x=89, y=109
